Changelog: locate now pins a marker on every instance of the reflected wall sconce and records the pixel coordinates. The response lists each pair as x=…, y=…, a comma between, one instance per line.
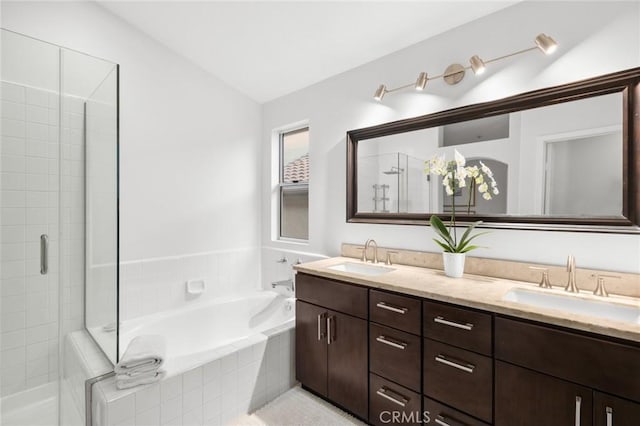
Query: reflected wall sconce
x=455, y=72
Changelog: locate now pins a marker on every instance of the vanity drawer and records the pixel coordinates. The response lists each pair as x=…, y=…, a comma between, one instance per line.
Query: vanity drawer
x=396, y=311
x=441, y=415
x=459, y=378
x=395, y=355
x=338, y=296
x=597, y=363
x=387, y=398
x=458, y=326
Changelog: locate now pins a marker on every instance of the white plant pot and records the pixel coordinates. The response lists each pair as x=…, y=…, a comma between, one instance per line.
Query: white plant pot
x=453, y=264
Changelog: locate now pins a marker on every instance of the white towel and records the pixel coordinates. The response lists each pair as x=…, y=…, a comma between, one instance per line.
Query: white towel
x=126, y=381
x=145, y=354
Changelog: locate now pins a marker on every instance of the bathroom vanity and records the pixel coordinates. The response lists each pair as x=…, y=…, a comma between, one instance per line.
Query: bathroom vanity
x=414, y=344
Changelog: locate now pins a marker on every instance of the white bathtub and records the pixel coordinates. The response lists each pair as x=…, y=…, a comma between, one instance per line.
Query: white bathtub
x=209, y=330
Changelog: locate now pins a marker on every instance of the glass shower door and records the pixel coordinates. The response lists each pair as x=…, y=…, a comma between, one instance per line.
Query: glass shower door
x=29, y=219
x=58, y=220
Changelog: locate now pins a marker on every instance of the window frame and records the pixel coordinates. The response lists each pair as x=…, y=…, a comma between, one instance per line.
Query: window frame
x=282, y=186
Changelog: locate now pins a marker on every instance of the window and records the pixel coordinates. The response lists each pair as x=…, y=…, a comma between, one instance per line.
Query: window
x=294, y=184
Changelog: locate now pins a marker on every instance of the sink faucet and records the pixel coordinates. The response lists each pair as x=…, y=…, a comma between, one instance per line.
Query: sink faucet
x=571, y=286
x=375, y=251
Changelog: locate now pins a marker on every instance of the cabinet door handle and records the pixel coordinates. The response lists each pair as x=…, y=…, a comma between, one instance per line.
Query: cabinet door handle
x=392, y=396
x=446, y=421
x=455, y=364
x=441, y=320
x=441, y=421
x=396, y=309
x=578, y=410
x=44, y=254
x=321, y=332
x=394, y=343
x=609, y=411
x=330, y=334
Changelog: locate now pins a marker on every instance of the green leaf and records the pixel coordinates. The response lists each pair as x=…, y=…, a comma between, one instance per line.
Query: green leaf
x=462, y=246
x=441, y=229
x=467, y=232
x=469, y=248
x=445, y=247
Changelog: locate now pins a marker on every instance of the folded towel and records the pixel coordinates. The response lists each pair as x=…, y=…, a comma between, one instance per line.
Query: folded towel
x=125, y=381
x=145, y=354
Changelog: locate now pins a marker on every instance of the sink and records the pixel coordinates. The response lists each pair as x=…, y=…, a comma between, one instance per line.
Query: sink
x=577, y=304
x=361, y=268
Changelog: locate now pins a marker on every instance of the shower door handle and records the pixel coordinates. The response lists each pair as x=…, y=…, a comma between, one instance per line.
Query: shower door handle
x=44, y=254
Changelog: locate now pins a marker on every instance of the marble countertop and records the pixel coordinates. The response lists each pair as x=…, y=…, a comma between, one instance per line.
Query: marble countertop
x=478, y=292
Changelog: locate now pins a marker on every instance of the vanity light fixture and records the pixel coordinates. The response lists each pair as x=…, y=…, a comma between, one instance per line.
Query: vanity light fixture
x=421, y=82
x=477, y=65
x=456, y=72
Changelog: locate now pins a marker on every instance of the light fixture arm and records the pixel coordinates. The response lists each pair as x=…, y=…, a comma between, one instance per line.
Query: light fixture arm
x=456, y=72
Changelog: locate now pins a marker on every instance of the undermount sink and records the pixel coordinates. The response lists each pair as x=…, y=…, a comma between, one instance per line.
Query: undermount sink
x=577, y=304
x=361, y=268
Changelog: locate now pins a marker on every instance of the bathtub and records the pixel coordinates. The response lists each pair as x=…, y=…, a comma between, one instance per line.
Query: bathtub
x=212, y=329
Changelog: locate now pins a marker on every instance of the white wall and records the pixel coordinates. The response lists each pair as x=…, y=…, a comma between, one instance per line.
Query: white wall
x=594, y=37
x=189, y=143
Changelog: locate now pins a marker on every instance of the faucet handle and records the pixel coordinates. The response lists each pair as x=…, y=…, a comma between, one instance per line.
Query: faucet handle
x=363, y=258
x=544, y=282
x=389, y=253
x=601, y=290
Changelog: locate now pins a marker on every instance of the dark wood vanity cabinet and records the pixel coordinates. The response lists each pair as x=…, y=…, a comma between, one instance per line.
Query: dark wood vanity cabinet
x=528, y=398
x=546, y=375
x=331, y=346
x=380, y=354
x=395, y=349
x=457, y=363
x=609, y=410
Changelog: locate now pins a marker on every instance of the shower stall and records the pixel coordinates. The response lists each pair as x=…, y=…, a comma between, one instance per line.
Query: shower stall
x=392, y=183
x=59, y=229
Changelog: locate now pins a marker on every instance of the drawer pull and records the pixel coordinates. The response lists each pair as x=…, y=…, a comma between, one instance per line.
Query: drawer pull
x=578, y=405
x=444, y=421
x=455, y=364
x=321, y=333
x=441, y=320
x=609, y=411
x=396, y=309
x=397, y=399
x=390, y=342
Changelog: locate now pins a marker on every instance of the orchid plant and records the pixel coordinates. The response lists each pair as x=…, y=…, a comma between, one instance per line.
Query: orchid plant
x=454, y=177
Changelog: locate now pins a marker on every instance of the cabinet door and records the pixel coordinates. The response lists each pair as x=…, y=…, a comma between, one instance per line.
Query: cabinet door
x=527, y=398
x=612, y=411
x=347, y=370
x=311, y=346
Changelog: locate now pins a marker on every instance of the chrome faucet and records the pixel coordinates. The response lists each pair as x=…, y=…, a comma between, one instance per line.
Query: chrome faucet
x=284, y=283
x=571, y=286
x=365, y=258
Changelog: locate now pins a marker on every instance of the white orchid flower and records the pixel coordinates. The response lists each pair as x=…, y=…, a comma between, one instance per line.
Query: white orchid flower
x=483, y=187
x=486, y=196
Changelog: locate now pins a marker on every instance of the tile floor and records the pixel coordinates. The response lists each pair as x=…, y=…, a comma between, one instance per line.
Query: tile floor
x=297, y=407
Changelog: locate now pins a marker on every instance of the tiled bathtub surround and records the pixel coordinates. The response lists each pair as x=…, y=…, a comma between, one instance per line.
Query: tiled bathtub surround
x=626, y=285
x=243, y=377
x=153, y=285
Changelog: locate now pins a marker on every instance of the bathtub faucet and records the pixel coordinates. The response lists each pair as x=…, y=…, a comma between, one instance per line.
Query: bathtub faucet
x=284, y=283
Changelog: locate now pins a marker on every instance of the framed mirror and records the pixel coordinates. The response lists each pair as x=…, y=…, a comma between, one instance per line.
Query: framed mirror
x=564, y=157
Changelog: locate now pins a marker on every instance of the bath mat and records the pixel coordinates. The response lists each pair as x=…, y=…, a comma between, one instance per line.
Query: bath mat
x=297, y=407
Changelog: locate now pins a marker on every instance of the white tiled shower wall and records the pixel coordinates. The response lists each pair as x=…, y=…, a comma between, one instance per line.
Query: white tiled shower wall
x=31, y=177
x=153, y=285
x=243, y=378
x=29, y=208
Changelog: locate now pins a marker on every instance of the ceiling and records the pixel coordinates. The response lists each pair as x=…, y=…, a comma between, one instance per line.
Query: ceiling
x=268, y=49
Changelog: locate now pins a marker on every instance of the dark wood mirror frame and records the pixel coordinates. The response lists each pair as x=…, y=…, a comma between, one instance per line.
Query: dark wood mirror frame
x=626, y=82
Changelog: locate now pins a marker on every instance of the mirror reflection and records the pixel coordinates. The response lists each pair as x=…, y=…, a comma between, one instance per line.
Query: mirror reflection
x=562, y=160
